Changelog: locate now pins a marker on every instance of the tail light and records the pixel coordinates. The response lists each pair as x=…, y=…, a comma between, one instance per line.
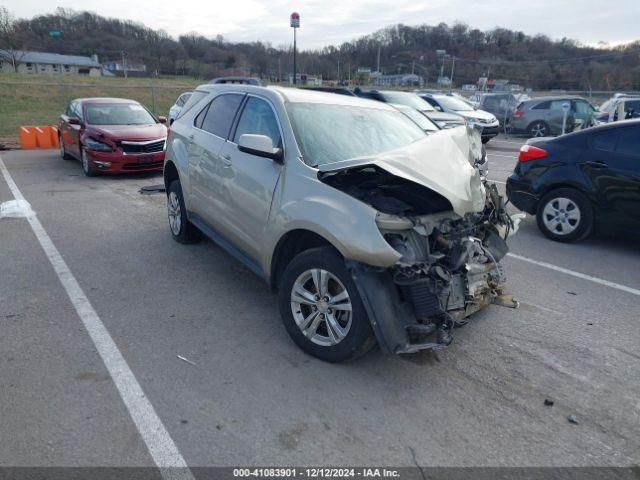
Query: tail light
x=518, y=113
x=529, y=152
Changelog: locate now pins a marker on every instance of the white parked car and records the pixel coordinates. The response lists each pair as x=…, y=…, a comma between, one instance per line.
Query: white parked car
x=176, y=108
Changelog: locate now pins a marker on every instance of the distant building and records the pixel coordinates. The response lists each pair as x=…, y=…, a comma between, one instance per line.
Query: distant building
x=49, y=63
x=399, y=80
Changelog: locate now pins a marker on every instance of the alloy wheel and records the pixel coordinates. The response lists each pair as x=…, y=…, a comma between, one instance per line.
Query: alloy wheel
x=174, y=212
x=321, y=307
x=538, y=130
x=561, y=216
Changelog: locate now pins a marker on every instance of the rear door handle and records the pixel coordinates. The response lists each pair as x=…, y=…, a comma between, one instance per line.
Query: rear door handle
x=226, y=159
x=191, y=137
x=597, y=164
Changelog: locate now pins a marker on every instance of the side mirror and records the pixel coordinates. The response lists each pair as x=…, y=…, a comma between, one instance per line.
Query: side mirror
x=439, y=108
x=259, y=145
x=162, y=119
x=73, y=121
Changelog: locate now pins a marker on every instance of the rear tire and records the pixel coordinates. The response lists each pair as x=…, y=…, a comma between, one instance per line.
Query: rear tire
x=538, y=129
x=321, y=308
x=182, y=230
x=565, y=215
x=63, y=151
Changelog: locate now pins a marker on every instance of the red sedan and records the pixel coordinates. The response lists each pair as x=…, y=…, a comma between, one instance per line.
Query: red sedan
x=112, y=135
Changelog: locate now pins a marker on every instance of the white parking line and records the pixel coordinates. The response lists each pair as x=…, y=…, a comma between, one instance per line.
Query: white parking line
x=489, y=154
x=583, y=276
x=161, y=446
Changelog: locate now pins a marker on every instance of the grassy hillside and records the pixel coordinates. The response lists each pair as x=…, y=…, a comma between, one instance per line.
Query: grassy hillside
x=40, y=99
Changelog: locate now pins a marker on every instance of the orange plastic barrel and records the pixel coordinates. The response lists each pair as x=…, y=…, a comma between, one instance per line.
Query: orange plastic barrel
x=28, y=137
x=43, y=136
x=54, y=136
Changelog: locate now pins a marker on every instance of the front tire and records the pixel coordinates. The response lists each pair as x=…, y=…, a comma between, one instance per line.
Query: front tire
x=182, y=230
x=565, y=215
x=321, y=308
x=87, y=167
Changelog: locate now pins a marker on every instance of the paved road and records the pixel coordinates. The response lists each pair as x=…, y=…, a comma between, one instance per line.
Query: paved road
x=252, y=397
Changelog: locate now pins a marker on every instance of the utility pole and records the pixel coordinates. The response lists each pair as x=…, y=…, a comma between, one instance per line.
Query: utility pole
x=413, y=67
x=338, y=70
x=453, y=64
x=124, y=63
x=378, y=64
x=295, y=24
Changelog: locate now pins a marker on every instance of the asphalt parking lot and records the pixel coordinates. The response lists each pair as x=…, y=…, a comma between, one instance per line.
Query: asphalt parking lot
x=248, y=396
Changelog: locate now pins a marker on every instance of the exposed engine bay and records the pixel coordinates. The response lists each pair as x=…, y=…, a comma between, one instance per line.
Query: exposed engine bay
x=449, y=266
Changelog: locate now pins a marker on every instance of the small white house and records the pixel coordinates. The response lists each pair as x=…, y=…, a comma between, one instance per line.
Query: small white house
x=49, y=63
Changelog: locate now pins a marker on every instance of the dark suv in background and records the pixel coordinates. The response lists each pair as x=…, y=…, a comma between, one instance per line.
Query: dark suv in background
x=543, y=116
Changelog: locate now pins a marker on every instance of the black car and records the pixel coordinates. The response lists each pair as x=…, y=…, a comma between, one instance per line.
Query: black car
x=442, y=119
x=581, y=182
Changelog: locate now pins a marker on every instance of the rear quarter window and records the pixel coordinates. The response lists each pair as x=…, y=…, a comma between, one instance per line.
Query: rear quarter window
x=629, y=141
x=542, y=106
x=605, y=141
x=193, y=100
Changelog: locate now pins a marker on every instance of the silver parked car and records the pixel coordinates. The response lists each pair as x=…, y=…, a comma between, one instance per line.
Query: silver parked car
x=366, y=227
x=175, y=109
x=543, y=116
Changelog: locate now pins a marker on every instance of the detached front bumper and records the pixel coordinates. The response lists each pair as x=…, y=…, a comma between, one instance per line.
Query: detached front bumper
x=449, y=269
x=420, y=315
x=118, y=162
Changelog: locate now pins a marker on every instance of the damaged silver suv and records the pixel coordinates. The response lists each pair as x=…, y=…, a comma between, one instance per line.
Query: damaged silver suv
x=368, y=228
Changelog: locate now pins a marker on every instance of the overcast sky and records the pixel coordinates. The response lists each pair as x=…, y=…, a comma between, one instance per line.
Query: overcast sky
x=327, y=22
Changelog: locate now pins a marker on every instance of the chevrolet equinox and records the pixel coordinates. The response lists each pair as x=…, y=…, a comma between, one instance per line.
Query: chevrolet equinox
x=368, y=228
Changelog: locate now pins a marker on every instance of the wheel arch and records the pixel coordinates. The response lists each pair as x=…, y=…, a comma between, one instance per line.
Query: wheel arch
x=291, y=244
x=170, y=173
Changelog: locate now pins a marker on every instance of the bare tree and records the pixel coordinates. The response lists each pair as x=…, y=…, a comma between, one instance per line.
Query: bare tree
x=9, y=39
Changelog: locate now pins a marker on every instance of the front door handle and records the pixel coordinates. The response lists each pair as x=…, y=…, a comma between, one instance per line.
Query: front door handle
x=226, y=159
x=191, y=137
x=597, y=164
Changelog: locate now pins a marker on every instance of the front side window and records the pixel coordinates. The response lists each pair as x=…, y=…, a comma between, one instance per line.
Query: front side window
x=258, y=118
x=220, y=114
x=331, y=133
x=118, y=114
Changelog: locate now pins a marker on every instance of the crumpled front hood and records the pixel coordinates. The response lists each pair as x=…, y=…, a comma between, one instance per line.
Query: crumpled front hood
x=441, y=162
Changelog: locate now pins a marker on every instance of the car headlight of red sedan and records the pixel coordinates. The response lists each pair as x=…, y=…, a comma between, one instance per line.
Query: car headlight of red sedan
x=91, y=144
